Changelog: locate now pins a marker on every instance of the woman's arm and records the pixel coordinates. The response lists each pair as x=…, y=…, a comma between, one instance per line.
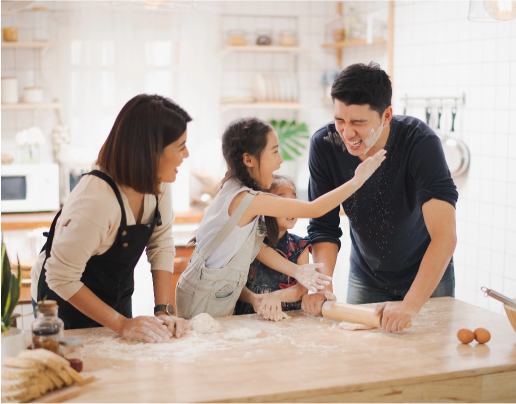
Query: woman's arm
x=268, y=205
x=150, y=329
x=162, y=281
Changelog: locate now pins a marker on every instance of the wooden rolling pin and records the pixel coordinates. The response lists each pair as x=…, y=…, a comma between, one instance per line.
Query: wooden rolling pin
x=354, y=313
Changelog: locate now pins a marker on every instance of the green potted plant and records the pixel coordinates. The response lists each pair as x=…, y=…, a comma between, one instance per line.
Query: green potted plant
x=13, y=339
x=292, y=138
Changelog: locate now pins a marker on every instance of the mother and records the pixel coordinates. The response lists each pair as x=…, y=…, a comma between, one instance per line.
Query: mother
x=116, y=210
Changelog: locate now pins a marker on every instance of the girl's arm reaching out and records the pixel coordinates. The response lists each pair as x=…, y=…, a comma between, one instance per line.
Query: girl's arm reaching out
x=272, y=206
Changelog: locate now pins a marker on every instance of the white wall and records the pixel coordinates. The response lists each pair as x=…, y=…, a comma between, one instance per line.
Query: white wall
x=438, y=52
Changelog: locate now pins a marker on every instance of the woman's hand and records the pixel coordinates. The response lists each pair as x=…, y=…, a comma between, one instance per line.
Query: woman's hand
x=270, y=307
x=146, y=328
x=307, y=276
x=367, y=167
x=176, y=325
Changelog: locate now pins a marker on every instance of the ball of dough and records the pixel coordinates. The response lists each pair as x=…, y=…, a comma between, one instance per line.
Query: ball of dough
x=204, y=324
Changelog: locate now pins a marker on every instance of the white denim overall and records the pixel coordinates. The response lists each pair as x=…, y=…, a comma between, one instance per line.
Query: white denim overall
x=215, y=291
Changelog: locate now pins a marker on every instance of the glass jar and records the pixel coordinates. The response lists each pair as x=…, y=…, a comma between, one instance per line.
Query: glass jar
x=288, y=38
x=264, y=38
x=41, y=26
x=47, y=329
x=71, y=350
x=237, y=38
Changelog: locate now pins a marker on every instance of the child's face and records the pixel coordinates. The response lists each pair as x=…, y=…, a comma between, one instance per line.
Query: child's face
x=270, y=161
x=286, y=191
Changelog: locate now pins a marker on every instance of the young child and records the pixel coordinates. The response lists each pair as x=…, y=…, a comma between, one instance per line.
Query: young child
x=267, y=291
x=230, y=235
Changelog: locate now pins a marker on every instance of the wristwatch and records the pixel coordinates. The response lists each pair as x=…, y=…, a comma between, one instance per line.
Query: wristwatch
x=167, y=308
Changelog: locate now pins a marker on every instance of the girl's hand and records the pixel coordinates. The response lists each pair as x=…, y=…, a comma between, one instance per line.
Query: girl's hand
x=146, y=328
x=307, y=276
x=270, y=307
x=367, y=167
x=176, y=325
x=256, y=300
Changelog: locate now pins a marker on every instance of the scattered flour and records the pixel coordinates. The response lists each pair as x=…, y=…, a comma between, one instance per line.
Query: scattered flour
x=242, y=333
x=345, y=325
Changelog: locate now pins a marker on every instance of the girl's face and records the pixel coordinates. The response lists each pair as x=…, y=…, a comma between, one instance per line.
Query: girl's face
x=270, y=161
x=171, y=158
x=286, y=191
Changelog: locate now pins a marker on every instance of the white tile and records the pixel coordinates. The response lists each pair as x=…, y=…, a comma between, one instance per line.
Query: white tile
x=510, y=269
x=499, y=217
x=500, y=171
x=511, y=193
x=484, y=259
x=511, y=220
x=510, y=241
x=511, y=171
x=483, y=279
x=509, y=287
x=498, y=240
x=500, y=143
x=503, y=49
x=472, y=236
x=497, y=263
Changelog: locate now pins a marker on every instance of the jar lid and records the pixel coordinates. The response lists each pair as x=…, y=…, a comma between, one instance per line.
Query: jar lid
x=70, y=341
x=47, y=306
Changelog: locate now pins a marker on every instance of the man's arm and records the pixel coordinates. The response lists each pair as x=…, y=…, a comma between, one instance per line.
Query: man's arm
x=440, y=221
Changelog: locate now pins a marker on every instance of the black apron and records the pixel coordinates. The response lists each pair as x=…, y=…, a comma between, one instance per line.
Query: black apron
x=110, y=276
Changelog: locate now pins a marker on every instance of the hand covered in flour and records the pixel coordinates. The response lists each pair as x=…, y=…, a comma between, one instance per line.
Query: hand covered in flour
x=270, y=307
x=176, y=325
x=395, y=315
x=367, y=167
x=146, y=328
x=307, y=276
x=312, y=303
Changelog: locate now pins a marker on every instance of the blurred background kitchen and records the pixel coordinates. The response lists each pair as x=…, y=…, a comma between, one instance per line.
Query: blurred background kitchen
x=69, y=67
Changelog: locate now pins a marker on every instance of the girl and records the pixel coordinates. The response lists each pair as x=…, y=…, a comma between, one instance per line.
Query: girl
x=116, y=210
x=267, y=291
x=230, y=235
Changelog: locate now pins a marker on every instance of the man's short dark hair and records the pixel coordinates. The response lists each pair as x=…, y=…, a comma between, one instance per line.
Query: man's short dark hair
x=361, y=84
x=143, y=128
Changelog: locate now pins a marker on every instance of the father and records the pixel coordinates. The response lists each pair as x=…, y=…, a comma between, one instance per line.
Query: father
x=402, y=220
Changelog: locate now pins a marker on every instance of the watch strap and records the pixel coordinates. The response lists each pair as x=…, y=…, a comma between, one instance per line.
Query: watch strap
x=167, y=308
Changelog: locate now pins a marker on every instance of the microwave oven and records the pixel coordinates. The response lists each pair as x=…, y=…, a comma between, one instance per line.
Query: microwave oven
x=30, y=188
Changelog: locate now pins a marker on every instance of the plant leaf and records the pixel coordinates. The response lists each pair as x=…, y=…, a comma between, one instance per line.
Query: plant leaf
x=15, y=292
x=6, y=280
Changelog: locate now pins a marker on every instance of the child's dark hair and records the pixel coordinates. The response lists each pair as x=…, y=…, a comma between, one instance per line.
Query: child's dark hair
x=271, y=222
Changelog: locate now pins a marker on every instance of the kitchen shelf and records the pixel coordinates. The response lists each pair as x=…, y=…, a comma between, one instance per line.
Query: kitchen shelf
x=29, y=45
x=264, y=105
x=264, y=49
x=354, y=42
x=26, y=107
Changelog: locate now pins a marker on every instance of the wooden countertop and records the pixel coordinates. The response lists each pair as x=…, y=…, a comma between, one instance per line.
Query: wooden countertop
x=310, y=359
x=28, y=221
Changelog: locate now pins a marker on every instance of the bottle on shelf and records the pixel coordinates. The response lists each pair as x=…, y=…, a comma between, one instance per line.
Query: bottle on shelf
x=350, y=19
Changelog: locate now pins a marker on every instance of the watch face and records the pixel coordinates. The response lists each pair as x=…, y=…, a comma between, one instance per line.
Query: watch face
x=170, y=309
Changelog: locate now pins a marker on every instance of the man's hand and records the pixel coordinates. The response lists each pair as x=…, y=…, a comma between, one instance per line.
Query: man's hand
x=312, y=304
x=395, y=315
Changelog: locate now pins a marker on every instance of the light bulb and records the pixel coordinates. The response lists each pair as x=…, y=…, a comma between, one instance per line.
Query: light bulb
x=502, y=10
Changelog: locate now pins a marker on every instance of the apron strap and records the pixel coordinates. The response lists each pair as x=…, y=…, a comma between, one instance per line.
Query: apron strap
x=157, y=214
x=109, y=180
x=50, y=237
x=231, y=223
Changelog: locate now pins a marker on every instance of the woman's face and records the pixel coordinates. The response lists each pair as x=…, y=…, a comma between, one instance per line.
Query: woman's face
x=286, y=191
x=171, y=159
x=270, y=161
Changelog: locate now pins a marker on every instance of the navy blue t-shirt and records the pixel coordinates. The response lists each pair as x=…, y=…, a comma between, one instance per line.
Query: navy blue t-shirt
x=388, y=233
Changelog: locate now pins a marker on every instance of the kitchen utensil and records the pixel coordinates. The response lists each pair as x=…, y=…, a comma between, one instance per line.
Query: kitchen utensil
x=237, y=38
x=353, y=313
x=439, y=114
x=455, y=151
x=511, y=314
x=33, y=95
x=260, y=87
x=10, y=34
x=9, y=90
x=428, y=113
x=288, y=38
x=498, y=296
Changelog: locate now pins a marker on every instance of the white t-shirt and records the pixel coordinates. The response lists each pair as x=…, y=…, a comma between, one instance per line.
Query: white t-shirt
x=215, y=218
x=88, y=226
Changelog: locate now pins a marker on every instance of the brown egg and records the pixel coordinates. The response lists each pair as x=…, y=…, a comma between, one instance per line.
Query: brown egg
x=482, y=335
x=465, y=336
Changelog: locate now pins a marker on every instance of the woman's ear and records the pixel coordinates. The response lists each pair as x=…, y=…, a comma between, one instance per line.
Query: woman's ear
x=248, y=160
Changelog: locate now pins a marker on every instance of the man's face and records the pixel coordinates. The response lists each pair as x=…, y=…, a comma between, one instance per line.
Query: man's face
x=359, y=126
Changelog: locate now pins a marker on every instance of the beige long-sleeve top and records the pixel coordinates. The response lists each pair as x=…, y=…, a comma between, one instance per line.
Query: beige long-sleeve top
x=88, y=226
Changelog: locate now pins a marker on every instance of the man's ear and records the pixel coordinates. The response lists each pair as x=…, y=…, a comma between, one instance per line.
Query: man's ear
x=388, y=115
x=248, y=160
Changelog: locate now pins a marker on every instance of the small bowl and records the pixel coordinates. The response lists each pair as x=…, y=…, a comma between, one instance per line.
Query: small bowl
x=511, y=314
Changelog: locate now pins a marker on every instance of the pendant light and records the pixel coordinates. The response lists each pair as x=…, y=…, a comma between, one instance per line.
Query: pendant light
x=492, y=11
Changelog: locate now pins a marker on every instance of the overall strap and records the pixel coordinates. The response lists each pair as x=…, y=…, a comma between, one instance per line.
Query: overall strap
x=50, y=237
x=109, y=180
x=231, y=223
x=157, y=214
